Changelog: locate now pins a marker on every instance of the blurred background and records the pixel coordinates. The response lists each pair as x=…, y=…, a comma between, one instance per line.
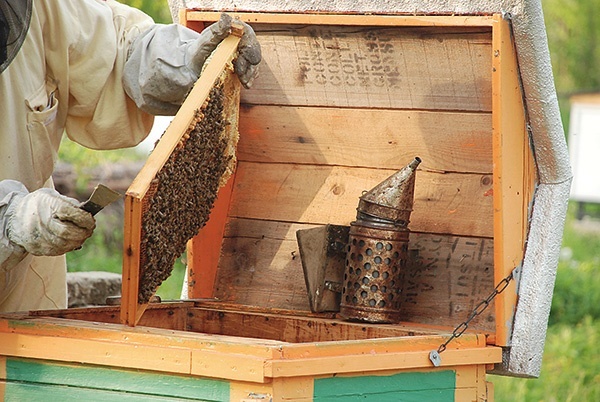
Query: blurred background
x=571, y=366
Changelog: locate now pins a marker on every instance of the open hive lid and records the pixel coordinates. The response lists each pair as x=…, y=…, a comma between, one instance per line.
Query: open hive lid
x=507, y=104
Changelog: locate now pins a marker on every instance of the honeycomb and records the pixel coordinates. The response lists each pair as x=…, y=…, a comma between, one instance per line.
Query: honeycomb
x=183, y=192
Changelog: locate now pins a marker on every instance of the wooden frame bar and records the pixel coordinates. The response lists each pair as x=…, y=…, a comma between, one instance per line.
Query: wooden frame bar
x=341, y=19
x=514, y=174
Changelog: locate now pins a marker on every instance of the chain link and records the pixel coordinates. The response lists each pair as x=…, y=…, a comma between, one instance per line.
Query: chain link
x=479, y=309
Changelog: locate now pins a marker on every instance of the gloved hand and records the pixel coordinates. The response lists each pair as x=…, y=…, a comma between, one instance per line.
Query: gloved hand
x=249, y=54
x=165, y=61
x=46, y=223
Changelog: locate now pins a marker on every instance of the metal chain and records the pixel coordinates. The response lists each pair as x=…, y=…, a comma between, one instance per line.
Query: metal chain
x=478, y=310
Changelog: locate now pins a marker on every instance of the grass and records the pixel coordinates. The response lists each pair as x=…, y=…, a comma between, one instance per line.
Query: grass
x=570, y=368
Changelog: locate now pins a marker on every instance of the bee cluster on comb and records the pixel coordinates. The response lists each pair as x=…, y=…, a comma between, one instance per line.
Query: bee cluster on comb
x=172, y=196
x=183, y=192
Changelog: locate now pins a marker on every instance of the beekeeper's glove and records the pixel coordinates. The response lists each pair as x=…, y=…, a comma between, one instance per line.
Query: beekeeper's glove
x=44, y=222
x=249, y=54
x=165, y=62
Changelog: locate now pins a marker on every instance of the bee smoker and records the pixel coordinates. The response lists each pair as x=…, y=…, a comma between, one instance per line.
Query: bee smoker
x=377, y=250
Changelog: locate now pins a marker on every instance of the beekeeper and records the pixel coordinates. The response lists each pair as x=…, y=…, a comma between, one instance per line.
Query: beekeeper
x=97, y=70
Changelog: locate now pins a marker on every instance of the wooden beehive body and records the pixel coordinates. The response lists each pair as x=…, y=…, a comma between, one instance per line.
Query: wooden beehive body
x=342, y=102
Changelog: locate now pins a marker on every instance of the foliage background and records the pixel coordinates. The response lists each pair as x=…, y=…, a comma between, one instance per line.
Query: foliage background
x=571, y=367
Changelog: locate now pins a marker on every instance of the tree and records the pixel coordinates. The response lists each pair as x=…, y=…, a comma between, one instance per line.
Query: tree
x=573, y=28
x=157, y=9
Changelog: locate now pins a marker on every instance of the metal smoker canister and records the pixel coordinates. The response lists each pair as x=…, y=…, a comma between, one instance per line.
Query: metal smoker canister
x=377, y=250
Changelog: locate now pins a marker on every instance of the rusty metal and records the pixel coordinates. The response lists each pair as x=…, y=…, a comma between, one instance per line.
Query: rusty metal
x=376, y=257
x=323, y=255
x=392, y=199
x=377, y=250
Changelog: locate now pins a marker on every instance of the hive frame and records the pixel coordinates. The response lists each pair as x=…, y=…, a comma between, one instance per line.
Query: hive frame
x=131, y=308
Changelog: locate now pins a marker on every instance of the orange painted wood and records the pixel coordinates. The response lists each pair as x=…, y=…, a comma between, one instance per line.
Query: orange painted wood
x=131, y=259
x=241, y=359
x=376, y=362
x=197, y=26
x=338, y=19
x=207, y=363
x=204, y=249
x=118, y=354
x=142, y=335
x=513, y=174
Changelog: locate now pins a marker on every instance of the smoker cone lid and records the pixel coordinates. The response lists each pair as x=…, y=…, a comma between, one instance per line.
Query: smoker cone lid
x=392, y=199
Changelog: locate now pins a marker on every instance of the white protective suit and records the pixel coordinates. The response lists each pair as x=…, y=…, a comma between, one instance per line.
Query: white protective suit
x=68, y=77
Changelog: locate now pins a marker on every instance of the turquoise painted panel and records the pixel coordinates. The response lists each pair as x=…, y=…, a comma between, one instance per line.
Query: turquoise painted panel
x=145, y=383
x=436, y=386
x=20, y=392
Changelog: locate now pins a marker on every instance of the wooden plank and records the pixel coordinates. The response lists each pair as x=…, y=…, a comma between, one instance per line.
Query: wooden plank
x=294, y=329
x=514, y=174
x=447, y=276
x=157, y=315
x=239, y=367
x=119, y=354
x=132, y=236
x=379, y=361
x=411, y=343
x=74, y=378
x=106, y=332
x=260, y=265
x=204, y=249
x=143, y=186
x=451, y=203
x=297, y=389
x=242, y=391
x=2, y=377
x=466, y=377
x=374, y=67
x=379, y=138
x=490, y=391
x=346, y=19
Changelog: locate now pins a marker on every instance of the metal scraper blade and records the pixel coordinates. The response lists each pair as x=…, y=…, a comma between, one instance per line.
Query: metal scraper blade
x=101, y=197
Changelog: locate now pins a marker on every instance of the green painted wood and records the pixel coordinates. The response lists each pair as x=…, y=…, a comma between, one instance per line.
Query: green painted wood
x=436, y=386
x=21, y=392
x=94, y=378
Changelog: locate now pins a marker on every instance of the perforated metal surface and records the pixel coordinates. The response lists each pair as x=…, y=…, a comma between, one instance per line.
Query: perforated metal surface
x=375, y=259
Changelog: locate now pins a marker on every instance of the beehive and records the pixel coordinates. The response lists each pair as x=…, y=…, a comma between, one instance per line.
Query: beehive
x=446, y=88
